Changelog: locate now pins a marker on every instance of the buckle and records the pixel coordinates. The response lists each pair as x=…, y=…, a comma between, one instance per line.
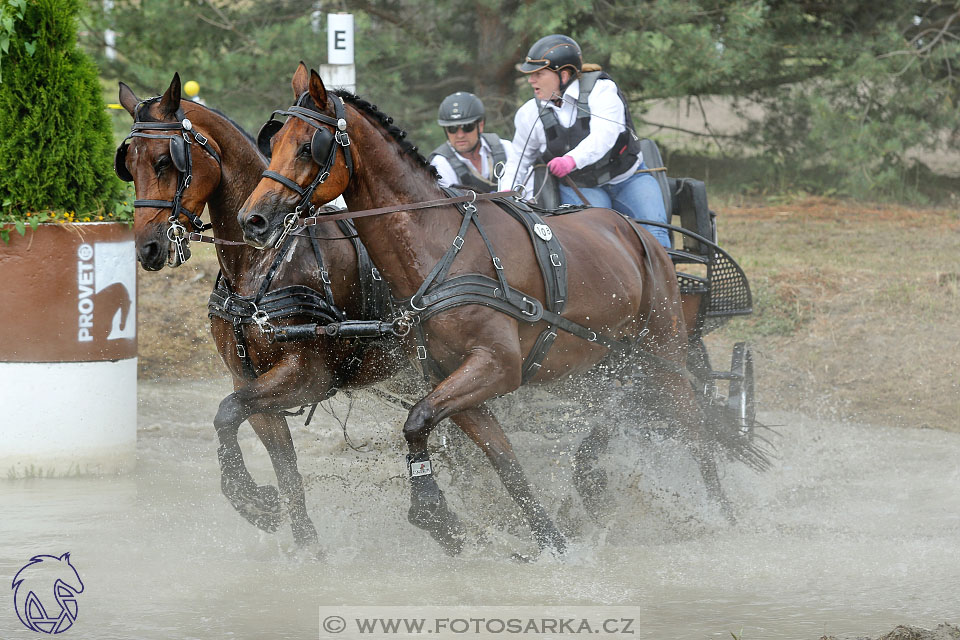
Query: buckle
x=496, y=263
x=421, y=352
x=199, y=137
x=458, y=243
x=555, y=260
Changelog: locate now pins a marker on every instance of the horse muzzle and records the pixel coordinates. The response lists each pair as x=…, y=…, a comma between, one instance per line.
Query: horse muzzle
x=151, y=255
x=260, y=228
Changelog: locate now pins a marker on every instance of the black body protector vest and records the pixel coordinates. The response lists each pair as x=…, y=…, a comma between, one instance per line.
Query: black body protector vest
x=465, y=175
x=560, y=139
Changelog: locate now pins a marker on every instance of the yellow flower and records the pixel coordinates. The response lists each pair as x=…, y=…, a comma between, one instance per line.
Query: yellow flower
x=99, y=217
x=86, y=218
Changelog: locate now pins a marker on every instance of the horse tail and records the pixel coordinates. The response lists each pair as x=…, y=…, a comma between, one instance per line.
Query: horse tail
x=740, y=442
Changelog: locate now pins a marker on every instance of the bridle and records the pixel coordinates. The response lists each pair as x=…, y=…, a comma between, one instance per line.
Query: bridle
x=181, y=140
x=323, y=149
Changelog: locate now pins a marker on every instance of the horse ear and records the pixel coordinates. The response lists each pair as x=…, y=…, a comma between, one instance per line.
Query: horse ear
x=317, y=91
x=301, y=80
x=170, y=102
x=128, y=99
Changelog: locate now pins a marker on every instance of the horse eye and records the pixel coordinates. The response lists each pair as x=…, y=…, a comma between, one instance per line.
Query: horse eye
x=161, y=164
x=305, y=150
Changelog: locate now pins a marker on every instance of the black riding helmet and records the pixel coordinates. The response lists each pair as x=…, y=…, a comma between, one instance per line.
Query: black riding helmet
x=553, y=52
x=460, y=108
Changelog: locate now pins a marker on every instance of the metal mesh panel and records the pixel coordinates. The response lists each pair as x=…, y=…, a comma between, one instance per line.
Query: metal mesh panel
x=729, y=289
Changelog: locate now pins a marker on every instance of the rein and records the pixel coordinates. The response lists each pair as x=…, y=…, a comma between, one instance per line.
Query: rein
x=349, y=215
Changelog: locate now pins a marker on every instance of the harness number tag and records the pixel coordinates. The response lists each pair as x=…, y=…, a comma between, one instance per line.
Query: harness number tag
x=543, y=231
x=418, y=469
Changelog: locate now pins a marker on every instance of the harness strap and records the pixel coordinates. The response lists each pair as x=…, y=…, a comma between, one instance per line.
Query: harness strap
x=324, y=274
x=443, y=265
x=184, y=177
x=539, y=351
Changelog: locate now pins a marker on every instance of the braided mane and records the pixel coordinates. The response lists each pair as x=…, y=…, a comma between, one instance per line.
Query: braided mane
x=395, y=132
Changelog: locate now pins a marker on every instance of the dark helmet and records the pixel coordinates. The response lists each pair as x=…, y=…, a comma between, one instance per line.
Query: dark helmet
x=554, y=52
x=460, y=108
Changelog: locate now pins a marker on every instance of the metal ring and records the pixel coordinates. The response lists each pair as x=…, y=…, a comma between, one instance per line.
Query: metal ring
x=400, y=327
x=593, y=337
x=474, y=197
x=415, y=307
x=176, y=231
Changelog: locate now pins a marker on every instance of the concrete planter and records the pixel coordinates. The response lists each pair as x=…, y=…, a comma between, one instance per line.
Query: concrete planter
x=68, y=351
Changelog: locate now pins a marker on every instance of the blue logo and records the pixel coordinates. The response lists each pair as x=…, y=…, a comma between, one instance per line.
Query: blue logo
x=45, y=593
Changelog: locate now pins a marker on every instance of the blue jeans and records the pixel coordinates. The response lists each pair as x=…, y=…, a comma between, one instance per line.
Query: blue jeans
x=638, y=197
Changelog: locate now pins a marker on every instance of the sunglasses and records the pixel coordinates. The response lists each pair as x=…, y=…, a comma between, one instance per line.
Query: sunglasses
x=467, y=128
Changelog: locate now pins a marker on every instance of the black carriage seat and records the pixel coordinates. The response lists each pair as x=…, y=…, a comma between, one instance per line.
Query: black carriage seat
x=686, y=200
x=718, y=287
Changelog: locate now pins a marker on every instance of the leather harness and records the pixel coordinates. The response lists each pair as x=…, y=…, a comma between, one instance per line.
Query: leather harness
x=301, y=301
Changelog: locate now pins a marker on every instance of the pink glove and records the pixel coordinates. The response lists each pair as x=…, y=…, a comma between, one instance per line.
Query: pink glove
x=562, y=166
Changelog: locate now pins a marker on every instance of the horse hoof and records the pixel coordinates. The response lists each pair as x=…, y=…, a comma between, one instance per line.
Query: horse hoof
x=525, y=558
x=550, y=538
x=591, y=484
x=305, y=535
x=729, y=513
x=260, y=506
x=436, y=519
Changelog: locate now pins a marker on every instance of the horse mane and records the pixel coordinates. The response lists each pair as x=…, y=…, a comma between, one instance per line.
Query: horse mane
x=143, y=115
x=386, y=122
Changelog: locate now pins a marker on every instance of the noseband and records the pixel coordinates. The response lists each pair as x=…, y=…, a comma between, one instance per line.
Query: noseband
x=181, y=140
x=323, y=148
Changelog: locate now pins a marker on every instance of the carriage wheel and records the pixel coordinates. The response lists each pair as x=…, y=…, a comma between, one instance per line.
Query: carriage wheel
x=740, y=401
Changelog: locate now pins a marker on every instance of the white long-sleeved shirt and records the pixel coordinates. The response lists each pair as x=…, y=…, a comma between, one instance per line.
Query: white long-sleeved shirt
x=607, y=120
x=448, y=176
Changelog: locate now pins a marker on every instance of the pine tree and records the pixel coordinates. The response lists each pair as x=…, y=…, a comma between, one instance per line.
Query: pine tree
x=55, y=134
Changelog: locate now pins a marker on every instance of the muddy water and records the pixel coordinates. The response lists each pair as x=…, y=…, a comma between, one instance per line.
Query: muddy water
x=856, y=529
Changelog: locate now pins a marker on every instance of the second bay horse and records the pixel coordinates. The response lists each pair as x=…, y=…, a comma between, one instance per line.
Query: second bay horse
x=268, y=376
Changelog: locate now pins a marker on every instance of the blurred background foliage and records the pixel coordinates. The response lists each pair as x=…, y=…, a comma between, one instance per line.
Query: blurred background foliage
x=831, y=96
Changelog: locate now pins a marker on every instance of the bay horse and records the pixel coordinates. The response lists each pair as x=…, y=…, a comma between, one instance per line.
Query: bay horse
x=268, y=377
x=622, y=289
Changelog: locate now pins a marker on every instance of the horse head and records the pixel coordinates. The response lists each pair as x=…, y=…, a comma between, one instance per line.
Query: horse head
x=174, y=167
x=310, y=160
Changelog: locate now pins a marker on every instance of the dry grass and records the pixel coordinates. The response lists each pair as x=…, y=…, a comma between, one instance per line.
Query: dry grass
x=857, y=310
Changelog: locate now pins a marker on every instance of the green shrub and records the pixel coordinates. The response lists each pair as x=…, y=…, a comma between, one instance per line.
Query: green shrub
x=56, y=143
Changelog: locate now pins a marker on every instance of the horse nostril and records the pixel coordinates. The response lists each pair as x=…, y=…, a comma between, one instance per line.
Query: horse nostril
x=257, y=222
x=149, y=251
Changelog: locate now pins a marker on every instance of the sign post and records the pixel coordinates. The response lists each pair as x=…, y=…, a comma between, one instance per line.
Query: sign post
x=340, y=70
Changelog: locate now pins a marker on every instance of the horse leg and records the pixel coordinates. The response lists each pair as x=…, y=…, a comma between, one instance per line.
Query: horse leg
x=280, y=387
x=482, y=427
x=701, y=442
x=589, y=480
x=275, y=436
x=258, y=505
x=458, y=392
